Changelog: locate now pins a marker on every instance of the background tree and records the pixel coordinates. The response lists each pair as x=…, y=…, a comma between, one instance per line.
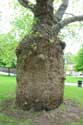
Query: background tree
x=40, y=66
x=69, y=59
x=20, y=21
x=79, y=60
x=7, y=51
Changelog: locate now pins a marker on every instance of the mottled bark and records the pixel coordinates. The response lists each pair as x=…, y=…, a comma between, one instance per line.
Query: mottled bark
x=40, y=74
x=40, y=64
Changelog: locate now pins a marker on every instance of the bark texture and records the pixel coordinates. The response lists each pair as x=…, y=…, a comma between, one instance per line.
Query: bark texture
x=40, y=74
x=40, y=65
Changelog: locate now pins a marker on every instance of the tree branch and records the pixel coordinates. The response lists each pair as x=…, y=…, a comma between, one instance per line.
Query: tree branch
x=69, y=14
x=27, y=4
x=60, y=12
x=65, y=22
x=71, y=20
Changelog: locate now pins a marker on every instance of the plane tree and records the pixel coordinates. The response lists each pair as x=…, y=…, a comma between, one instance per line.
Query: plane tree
x=40, y=64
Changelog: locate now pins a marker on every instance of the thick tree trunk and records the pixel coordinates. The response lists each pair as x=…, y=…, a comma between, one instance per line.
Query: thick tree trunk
x=40, y=65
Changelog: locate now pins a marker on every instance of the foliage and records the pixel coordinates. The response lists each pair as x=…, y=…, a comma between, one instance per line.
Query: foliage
x=69, y=58
x=22, y=20
x=7, y=50
x=79, y=60
x=21, y=24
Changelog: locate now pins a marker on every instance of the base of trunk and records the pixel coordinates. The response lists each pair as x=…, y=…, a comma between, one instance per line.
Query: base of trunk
x=38, y=106
x=40, y=74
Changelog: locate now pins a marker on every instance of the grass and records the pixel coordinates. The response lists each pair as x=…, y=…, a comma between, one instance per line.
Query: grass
x=8, y=89
x=6, y=120
x=7, y=86
x=75, y=94
x=75, y=123
x=73, y=79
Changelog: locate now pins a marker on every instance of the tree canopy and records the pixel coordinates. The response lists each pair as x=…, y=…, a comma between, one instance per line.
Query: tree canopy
x=79, y=60
x=7, y=51
x=20, y=25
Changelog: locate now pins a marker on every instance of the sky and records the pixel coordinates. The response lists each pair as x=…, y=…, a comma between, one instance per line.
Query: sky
x=73, y=44
x=7, y=13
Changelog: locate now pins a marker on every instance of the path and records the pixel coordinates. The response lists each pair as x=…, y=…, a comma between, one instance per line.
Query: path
x=5, y=73
x=72, y=84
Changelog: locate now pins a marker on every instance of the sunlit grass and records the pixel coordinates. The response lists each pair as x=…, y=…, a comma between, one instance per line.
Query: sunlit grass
x=73, y=79
x=74, y=93
x=7, y=86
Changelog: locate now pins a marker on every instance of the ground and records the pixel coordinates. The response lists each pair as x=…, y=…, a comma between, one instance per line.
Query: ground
x=66, y=113
x=69, y=113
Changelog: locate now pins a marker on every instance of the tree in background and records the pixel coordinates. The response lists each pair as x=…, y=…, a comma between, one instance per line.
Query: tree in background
x=69, y=59
x=40, y=65
x=20, y=21
x=7, y=51
x=79, y=60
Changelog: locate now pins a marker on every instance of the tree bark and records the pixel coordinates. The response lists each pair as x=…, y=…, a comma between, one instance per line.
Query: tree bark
x=40, y=74
x=8, y=71
x=40, y=64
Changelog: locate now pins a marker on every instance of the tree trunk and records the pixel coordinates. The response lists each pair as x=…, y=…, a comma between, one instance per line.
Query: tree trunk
x=8, y=71
x=40, y=64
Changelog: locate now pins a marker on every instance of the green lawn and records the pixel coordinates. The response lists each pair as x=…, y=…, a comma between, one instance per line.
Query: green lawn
x=73, y=79
x=7, y=86
x=8, y=89
x=75, y=94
